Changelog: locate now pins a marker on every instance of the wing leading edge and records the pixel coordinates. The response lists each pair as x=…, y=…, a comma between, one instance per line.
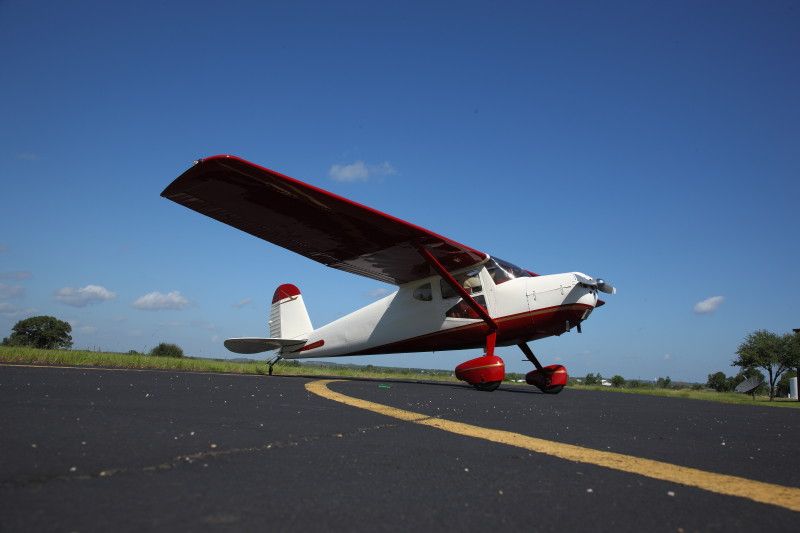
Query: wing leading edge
x=315, y=223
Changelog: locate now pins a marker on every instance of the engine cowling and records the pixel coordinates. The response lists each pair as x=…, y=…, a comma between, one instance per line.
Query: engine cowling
x=550, y=379
x=483, y=373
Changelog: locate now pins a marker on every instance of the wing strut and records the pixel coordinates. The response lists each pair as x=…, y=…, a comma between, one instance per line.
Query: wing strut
x=478, y=308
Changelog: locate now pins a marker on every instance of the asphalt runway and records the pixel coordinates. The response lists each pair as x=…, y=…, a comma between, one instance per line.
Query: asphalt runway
x=95, y=450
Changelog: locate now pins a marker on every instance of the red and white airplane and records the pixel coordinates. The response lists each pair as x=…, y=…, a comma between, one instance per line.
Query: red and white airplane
x=449, y=296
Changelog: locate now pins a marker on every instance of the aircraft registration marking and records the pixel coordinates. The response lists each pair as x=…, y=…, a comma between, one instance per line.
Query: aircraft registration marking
x=758, y=491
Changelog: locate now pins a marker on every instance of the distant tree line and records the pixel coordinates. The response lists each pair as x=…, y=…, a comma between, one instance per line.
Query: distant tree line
x=50, y=333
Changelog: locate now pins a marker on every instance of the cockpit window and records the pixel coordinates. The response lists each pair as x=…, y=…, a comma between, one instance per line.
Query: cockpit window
x=423, y=293
x=463, y=310
x=470, y=281
x=502, y=271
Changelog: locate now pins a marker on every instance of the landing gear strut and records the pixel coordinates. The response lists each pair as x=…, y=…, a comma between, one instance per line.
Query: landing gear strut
x=485, y=373
x=548, y=379
x=272, y=362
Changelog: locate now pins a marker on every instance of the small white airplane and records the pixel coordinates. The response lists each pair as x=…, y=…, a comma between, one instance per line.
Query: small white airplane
x=449, y=297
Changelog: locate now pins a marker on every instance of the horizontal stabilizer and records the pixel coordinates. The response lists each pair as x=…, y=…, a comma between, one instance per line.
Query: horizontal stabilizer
x=249, y=345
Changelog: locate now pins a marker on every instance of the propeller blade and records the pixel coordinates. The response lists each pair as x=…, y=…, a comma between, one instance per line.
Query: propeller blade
x=604, y=286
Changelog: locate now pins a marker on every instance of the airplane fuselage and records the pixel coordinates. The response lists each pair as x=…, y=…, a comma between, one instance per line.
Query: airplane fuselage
x=425, y=316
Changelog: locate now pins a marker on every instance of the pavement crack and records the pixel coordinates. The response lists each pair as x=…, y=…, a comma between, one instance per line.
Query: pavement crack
x=190, y=458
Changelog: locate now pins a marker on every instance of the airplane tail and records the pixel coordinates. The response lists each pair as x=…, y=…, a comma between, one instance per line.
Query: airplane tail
x=288, y=318
x=289, y=325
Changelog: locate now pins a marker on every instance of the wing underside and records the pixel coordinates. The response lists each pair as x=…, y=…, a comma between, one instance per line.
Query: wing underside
x=315, y=223
x=251, y=345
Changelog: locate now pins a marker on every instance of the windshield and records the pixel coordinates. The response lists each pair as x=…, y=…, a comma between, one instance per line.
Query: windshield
x=502, y=271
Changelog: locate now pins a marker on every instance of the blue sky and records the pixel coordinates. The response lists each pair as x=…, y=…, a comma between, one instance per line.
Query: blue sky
x=654, y=144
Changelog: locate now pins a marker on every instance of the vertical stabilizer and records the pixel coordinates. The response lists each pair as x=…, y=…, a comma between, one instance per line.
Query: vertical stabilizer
x=288, y=318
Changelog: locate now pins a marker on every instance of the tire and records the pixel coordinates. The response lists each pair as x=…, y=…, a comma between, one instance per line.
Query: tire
x=487, y=387
x=553, y=390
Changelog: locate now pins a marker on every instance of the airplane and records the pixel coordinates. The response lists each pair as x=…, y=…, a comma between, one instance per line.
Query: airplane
x=449, y=296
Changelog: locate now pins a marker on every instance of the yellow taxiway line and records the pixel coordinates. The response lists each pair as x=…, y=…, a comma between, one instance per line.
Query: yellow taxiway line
x=758, y=491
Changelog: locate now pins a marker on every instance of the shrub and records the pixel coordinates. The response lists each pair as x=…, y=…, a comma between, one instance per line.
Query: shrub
x=617, y=381
x=664, y=383
x=718, y=381
x=167, y=350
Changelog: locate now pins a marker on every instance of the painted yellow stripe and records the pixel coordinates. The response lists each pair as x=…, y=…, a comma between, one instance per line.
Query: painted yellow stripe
x=758, y=491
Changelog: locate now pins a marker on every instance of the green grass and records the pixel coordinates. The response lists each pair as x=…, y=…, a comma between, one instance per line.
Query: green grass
x=709, y=395
x=24, y=355
x=34, y=356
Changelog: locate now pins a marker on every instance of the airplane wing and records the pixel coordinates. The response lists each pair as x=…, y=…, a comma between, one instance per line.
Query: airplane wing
x=312, y=222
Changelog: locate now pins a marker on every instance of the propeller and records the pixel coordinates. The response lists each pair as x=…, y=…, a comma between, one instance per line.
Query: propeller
x=601, y=284
x=606, y=287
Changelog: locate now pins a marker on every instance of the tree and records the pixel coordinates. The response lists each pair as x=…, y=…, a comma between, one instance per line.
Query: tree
x=167, y=350
x=718, y=381
x=663, y=383
x=46, y=332
x=766, y=350
x=792, y=341
x=617, y=381
x=591, y=379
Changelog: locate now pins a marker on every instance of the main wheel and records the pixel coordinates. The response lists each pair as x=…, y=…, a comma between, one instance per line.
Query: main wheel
x=487, y=387
x=553, y=390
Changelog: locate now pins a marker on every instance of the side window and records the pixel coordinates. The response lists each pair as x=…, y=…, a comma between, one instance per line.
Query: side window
x=468, y=280
x=423, y=292
x=462, y=310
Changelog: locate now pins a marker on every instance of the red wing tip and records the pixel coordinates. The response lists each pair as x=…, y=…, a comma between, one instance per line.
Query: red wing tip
x=287, y=290
x=218, y=156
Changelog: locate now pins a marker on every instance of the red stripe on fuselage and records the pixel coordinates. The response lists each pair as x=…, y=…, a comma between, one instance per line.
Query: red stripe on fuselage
x=512, y=329
x=313, y=345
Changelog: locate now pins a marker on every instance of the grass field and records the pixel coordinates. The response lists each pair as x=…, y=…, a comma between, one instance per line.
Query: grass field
x=707, y=394
x=35, y=356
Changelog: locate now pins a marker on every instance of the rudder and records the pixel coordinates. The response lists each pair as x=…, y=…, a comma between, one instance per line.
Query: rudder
x=288, y=317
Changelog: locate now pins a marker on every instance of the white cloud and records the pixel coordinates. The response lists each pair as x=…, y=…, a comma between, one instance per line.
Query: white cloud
x=154, y=301
x=87, y=329
x=360, y=171
x=17, y=275
x=667, y=356
x=380, y=292
x=242, y=303
x=709, y=305
x=3, y=248
x=11, y=291
x=28, y=156
x=90, y=294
